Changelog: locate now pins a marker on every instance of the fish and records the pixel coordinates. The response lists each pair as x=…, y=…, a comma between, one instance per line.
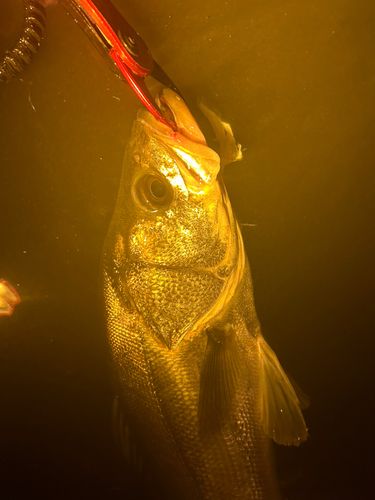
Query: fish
x=200, y=392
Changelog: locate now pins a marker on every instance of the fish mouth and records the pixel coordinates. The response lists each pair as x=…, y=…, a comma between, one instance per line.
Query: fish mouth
x=178, y=115
x=200, y=164
x=145, y=117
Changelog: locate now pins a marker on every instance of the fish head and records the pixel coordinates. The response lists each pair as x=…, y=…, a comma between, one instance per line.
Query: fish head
x=175, y=234
x=174, y=189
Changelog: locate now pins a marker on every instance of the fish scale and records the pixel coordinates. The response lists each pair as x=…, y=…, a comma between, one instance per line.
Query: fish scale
x=134, y=380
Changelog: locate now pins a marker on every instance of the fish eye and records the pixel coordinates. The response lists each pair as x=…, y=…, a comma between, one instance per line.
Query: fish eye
x=152, y=192
x=157, y=188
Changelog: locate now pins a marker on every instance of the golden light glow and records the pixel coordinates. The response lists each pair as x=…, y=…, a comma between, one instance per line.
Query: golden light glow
x=193, y=165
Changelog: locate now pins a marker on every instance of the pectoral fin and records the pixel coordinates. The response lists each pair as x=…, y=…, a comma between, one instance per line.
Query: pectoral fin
x=280, y=406
x=220, y=377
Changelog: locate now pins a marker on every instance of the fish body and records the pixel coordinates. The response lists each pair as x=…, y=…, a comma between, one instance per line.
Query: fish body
x=202, y=391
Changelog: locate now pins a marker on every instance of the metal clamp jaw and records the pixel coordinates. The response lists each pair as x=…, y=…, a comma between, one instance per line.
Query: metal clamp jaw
x=122, y=47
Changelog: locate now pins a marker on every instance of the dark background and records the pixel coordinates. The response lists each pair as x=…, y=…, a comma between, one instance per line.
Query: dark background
x=297, y=82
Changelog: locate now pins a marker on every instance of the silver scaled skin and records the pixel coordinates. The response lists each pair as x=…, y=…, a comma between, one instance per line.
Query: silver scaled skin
x=202, y=393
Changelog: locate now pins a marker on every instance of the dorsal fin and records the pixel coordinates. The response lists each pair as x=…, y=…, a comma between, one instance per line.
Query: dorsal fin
x=221, y=373
x=280, y=406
